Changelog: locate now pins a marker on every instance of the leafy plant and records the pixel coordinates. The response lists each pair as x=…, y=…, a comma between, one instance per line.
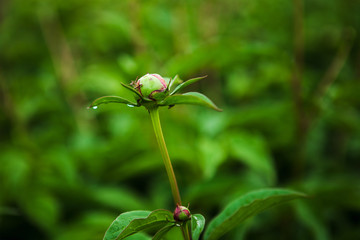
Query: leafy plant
x=152, y=91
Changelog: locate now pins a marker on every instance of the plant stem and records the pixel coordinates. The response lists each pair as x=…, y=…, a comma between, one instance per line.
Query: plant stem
x=155, y=119
x=185, y=230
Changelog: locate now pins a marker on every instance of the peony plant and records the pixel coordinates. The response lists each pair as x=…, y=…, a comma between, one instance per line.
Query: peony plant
x=153, y=91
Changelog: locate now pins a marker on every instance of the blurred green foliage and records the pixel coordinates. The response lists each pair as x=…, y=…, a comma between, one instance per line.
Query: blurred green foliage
x=286, y=74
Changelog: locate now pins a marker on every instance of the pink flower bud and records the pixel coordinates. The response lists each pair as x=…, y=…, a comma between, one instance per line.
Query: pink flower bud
x=181, y=214
x=152, y=86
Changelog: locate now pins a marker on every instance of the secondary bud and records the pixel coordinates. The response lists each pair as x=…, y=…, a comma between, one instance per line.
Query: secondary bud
x=152, y=86
x=181, y=214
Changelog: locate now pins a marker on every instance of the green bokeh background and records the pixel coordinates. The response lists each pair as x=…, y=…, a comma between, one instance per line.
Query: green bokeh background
x=286, y=73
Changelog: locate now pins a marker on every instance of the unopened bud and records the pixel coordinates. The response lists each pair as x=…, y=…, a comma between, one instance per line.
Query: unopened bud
x=181, y=214
x=152, y=86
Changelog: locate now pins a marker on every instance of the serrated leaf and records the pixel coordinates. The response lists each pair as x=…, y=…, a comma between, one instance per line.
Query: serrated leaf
x=135, y=221
x=246, y=206
x=110, y=99
x=162, y=232
x=187, y=83
x=194, y=98
x=197, y=225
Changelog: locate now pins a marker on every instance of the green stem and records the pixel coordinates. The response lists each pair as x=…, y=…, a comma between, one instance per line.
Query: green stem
x=185, y=230
x=155, y=119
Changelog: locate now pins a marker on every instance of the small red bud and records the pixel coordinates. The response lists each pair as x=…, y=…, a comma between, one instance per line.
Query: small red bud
x=181, y=214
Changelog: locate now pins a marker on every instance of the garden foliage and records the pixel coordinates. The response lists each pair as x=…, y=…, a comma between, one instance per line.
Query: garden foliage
x=285, y=73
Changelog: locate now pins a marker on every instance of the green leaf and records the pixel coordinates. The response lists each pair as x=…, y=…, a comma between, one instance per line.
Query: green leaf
x=135, y=221
x=162, y=232
x=211, y=154
x=197, y=225
x=117, y=198
x=111, y=99
x=246, y=206
x=252, y=150
x=122, y=221
x=139, y=236
x=187, y=83
x=41, y=208
x=189, y=98
x=310, y=219
x=131, y=89
x=175, y=80
x=174, y=233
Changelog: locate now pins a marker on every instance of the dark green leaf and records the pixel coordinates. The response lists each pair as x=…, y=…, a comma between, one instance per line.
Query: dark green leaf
x=135, y=221
x=187, y=83
x=110, y=99
x=311, y=220
x=246, y=206
x=42, y=209
x=189, y=98
x=163, y=231
x=122, y=221
x=197, y=225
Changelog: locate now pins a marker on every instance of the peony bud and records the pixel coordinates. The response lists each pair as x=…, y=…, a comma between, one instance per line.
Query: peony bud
x=181, y=214
x=152, y=86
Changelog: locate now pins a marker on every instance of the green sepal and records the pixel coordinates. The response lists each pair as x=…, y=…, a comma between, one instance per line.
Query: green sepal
x=111, y=99
x=197, y=225
x=246, y=206
x=129, y=223
x=130, y=88
x=163, y=231
x=186, y=83
x=194, y=98
x=174, y=81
